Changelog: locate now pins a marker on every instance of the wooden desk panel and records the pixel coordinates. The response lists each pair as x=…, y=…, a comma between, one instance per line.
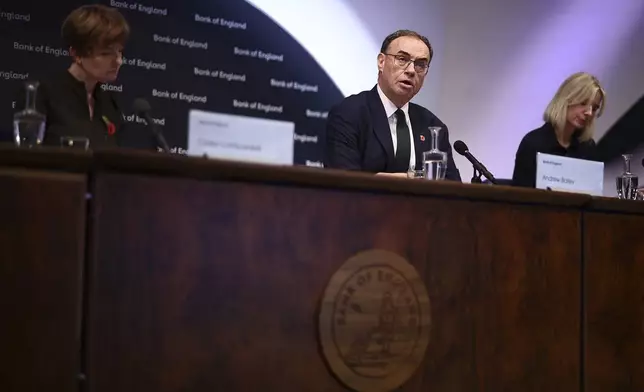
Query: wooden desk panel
x=216, y=285
x=507, y=281
x=614, y=254
x=41, y=244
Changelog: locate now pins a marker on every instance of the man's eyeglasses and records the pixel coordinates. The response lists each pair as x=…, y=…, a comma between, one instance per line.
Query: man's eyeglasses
x=420, y=65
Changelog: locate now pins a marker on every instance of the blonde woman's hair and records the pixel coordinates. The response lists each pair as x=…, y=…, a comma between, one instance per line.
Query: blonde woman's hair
x=578, y=88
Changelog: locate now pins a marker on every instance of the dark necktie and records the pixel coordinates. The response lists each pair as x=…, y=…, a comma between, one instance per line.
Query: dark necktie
x=403, y=149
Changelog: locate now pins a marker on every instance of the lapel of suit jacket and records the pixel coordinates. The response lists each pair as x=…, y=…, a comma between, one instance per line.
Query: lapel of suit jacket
x=381, y=124
x=422, y=138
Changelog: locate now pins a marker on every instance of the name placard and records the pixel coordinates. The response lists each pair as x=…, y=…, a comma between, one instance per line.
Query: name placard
x=569, y=174
x=240, y=138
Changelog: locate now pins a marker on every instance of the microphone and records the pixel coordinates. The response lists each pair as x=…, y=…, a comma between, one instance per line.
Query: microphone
x=142, y=108
x=462, y=149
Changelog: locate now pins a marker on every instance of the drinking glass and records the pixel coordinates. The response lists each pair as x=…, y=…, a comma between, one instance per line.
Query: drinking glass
x=81, y=143
x=640, y=194
x=416, y=174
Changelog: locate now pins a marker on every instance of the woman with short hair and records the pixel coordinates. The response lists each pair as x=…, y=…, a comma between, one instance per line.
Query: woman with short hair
x=73, y=101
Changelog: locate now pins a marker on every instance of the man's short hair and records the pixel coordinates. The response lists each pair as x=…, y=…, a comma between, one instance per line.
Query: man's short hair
x=406, y=33
x=94, y=26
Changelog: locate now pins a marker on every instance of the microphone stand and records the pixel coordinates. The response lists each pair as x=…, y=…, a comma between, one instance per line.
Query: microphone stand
x=476, y=177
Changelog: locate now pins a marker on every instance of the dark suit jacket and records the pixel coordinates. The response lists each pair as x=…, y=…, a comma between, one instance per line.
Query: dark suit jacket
x=63, y=100
x=358, y=136
x=544, y=140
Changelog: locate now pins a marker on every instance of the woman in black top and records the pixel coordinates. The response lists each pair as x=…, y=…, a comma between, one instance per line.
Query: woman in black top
x=568, y=129
x=74, y=101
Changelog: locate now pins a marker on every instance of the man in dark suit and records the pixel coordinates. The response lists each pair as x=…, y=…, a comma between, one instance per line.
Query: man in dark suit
x=380, y=131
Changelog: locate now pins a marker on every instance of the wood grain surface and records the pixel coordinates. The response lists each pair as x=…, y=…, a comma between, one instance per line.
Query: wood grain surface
x=215, y=285
x=614, y=257
x=42, y=238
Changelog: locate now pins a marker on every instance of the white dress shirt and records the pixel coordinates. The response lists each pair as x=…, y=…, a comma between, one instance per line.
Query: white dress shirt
x=390, y=110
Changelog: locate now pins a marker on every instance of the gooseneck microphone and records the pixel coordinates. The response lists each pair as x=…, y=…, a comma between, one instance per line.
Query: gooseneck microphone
x=462, y=149
x=142, y=108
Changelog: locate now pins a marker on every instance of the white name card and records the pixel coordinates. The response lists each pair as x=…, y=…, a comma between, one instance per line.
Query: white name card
x=569, y=174
x=240, y=138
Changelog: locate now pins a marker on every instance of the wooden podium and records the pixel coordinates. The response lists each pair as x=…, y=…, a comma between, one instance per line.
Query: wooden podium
x=42, y=244
x=613, y=295
x=184, y=274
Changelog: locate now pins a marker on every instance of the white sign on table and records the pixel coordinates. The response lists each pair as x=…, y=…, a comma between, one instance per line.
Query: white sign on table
x=569, y=174
x=240, y=138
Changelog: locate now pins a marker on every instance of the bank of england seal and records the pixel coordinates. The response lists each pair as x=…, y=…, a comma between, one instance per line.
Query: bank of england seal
x=374, y=321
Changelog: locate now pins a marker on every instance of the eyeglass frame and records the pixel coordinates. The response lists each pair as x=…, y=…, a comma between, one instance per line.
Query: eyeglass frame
x=398, y=57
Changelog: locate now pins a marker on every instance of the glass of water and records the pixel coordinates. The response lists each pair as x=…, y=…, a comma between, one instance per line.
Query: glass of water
x=415, y=174
x=640, y=194
x=434, y=160
x=80, y=143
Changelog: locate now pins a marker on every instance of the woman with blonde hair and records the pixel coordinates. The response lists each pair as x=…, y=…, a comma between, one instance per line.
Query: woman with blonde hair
x=568, y=129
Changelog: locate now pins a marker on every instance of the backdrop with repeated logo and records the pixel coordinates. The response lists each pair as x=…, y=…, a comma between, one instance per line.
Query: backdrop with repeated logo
x=497, y=63
x=221, y=56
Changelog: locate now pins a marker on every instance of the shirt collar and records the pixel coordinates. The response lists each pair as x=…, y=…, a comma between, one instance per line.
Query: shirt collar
x=390, y=108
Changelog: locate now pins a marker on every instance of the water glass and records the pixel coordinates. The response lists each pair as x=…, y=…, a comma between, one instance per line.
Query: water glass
x=640, y=194
x=81, y=143
x=415, y=174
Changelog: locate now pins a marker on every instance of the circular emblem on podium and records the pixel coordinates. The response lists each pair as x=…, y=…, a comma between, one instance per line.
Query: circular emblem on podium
x=374, y=321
